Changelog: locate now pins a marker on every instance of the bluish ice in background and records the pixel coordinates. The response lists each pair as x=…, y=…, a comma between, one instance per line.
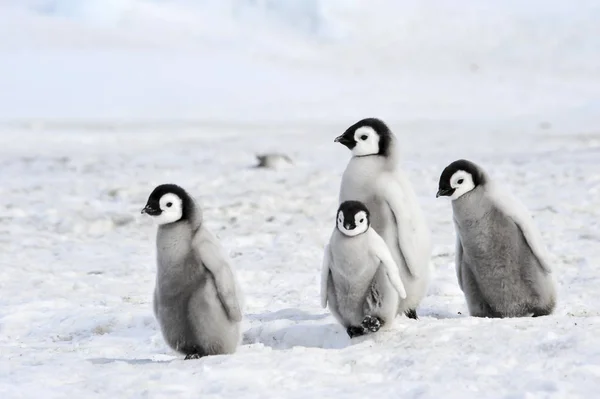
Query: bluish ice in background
x=287, y=60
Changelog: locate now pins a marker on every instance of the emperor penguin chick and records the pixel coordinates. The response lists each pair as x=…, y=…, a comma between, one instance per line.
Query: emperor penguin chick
x=374, y=178
x=196, y=298
x=501, y=262
x=360, y=280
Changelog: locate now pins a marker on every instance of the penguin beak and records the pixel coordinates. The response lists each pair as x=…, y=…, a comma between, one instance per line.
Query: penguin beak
x=444, y=192
x=345, y=139
x=149, y=210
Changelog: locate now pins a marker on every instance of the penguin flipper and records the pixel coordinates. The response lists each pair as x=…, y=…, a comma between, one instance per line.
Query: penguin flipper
x=325, y=270
x=514, y=209
x=412, y=239
x=208, y=250
x=382, y=252
x=458, y=260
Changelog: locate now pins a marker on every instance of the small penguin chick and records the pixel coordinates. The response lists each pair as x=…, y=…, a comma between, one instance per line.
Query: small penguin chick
x=369, y=136
x=352, y=221
x=353, y=218
x=197, y=301
x=273, y=161
x=360, y=282
x=168, y=203
x=502, y=265
x=459, y=178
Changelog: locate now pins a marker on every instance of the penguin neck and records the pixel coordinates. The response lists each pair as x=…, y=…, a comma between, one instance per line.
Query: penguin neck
x=192, y=219
x=388, y=160
x=391, y=153
x=195, y=217
x=471, y=206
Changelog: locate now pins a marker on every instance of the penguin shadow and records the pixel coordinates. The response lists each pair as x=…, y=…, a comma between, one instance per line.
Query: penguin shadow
x=288, y=328
x=134, y=362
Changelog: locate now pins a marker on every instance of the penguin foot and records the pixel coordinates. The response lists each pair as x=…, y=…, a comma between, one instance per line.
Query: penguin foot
x=193, y=352
x=541, y=312
x=372, y=323
x=192, y=356
x=354, y=331
x=411, y=314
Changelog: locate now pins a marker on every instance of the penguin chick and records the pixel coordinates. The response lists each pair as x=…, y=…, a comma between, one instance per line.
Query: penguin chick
x=196, y=298
x=501, y=262
x=359, y=279
x=273, y=161
x=374, y=178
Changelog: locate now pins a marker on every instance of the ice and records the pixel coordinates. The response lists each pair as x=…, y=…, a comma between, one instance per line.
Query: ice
x=290, y=60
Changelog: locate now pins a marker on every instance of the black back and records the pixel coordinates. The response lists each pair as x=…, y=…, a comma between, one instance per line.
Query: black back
x=186, y=201
x=461, y=164
x=350, y=209
x=384, y=132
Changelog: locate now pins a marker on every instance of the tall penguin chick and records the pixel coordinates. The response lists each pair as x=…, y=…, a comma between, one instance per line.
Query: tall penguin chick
x=373, y=177
x=196, y=298
x=501, y=262
x=359, y=279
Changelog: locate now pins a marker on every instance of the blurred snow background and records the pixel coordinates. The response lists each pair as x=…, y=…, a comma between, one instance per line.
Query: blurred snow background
x=283, y=60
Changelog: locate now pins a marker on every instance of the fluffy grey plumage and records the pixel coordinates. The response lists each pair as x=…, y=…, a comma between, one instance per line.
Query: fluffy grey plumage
x=360, y=281
x=373, y=177
x=501, y=264
x=196, y=298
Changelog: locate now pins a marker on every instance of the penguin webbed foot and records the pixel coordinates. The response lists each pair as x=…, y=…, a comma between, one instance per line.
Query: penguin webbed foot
x=541, y=312
x=192, y=356
x=412, y=314
x=355, y=331
x=372, y=323
x=193, y=353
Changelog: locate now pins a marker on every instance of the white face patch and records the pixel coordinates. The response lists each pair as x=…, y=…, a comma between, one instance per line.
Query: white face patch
x=360, y=221
x=367, y=141
x=462, y=183
x=171, y=207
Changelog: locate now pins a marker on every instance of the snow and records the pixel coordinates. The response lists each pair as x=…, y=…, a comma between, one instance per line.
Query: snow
x=307, y=60
x=100, y=101
x=78, y=268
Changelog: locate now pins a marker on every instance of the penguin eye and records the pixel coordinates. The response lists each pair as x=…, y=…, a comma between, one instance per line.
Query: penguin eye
x=460, y=181
x=362, y=220
x=364, y=137
x=169, y=204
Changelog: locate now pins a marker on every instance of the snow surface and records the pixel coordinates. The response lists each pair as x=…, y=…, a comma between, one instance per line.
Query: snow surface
x=101, y=101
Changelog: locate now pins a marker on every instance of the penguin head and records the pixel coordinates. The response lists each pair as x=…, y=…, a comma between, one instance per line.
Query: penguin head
x=370, y=136
x=352, y=218
x=459, y=178
x=168, y=203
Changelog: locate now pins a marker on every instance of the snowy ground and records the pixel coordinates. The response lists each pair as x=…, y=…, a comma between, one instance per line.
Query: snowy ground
x=102, y=100
x=78, y=268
